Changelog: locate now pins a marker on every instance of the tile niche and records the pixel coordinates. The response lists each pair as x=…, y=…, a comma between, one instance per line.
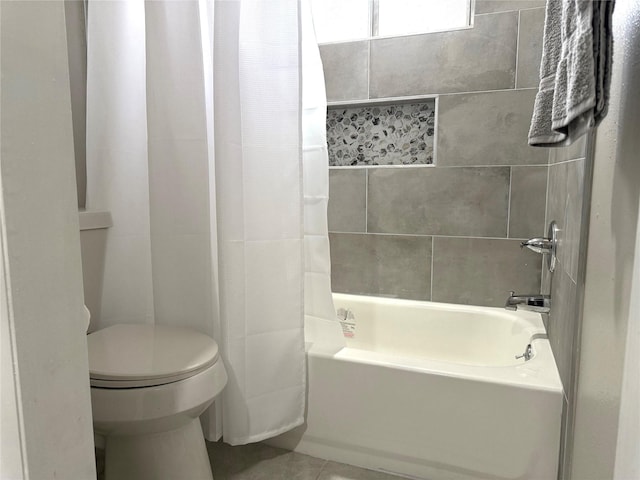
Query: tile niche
x=375, y=135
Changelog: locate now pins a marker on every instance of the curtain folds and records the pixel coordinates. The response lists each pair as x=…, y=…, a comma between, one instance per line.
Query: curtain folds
x=320, y=323
x=260, y=215
x=210, y=154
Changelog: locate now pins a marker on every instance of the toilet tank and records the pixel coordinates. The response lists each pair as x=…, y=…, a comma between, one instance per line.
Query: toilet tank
x=93, y=241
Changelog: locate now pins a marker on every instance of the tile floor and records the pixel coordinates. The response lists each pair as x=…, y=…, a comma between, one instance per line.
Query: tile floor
x=258, y=461
x=263, y=462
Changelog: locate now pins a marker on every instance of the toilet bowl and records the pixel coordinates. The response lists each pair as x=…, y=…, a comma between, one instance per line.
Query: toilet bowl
x=149, y=385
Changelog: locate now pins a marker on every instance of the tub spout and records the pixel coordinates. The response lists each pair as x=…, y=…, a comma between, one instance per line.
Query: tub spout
x=535, y=303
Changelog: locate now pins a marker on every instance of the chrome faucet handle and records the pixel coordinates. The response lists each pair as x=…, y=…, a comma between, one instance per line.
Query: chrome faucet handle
x=538, y=245
x=547, y=245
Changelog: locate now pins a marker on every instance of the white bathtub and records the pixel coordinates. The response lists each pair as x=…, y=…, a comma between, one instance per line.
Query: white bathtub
x=434, y=391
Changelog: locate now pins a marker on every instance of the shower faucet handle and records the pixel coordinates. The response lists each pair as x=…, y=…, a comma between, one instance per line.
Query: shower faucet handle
x=538, y=245
x=545, y=246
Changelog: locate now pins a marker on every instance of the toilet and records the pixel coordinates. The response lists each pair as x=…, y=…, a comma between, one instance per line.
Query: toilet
x=149, y=383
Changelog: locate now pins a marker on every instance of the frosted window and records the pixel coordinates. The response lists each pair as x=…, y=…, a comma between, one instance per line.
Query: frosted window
x=341, y=20
x=402, y=17
x=348, y=20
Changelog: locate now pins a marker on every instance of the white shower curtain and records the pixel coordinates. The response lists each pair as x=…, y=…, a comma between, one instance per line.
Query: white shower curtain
x=195, y=143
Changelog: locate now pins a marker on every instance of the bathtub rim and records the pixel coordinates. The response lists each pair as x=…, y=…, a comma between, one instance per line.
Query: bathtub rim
x=540, y=372
x=533, y=318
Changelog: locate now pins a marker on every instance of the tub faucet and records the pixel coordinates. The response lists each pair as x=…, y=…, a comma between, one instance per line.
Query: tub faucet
x=535, y=303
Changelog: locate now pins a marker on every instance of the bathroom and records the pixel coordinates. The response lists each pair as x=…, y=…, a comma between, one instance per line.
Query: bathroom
x=444, y=232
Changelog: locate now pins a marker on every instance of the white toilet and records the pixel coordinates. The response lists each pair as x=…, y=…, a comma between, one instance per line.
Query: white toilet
x=149, y=383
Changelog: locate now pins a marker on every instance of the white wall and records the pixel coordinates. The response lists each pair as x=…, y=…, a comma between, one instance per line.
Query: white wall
x=42, y=317
x=627, y=463
x=610, y=259
x=11, y=459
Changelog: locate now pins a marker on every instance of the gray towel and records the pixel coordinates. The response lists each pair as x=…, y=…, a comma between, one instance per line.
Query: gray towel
x=575, y=72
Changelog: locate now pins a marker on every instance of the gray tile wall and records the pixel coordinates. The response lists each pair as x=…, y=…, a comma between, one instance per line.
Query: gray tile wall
x=348, y=200
x=487, y=128
x=451, y=232
x=468, y=269
x=529, y=58
x=565, y=193
x=381, y=265
x=346, y=67
x=475, y=59
x=439, y=201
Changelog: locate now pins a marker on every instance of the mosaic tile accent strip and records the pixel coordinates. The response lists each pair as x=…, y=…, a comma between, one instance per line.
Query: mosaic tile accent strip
x=381, y=135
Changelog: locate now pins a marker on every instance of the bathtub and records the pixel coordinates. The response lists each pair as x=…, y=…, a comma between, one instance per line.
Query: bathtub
x=434, y=391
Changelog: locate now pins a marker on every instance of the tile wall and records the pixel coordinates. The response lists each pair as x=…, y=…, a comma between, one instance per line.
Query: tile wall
x=568, y=181
x=564, y=205
x=447, y=233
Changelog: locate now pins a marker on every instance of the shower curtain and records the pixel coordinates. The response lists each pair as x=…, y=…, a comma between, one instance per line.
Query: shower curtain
x=213, y=164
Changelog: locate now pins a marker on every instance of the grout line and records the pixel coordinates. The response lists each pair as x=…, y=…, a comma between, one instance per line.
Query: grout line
x=322, y=468
x=515, y=84
x=532, y=8
x=566, y=161
x=440, y=167
x=369, y=69
x=425, y=235
x=366, y=201
x=500, y=12
x=546, y=200
x=544, y=226
x=509, y=202
x=389, y=37
x=383, y=100
x=415, y=98
x=433, y=241
x=367, y=167
x=508, y=11
x=436, y=127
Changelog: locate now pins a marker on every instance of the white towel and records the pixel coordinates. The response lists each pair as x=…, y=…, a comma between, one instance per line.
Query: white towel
x=575, y=71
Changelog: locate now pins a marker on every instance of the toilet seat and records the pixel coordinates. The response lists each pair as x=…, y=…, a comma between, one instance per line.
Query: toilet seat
x=135, y=355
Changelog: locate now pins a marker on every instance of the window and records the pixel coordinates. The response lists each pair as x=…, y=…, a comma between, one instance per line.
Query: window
x=347, y=20
x=341, y=20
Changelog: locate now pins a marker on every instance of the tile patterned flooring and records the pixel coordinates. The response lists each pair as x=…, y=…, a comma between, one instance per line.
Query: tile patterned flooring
x=263, y=462
x=258, y=461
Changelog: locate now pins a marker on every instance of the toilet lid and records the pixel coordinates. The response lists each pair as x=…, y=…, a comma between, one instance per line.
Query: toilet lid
x=144, y=355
